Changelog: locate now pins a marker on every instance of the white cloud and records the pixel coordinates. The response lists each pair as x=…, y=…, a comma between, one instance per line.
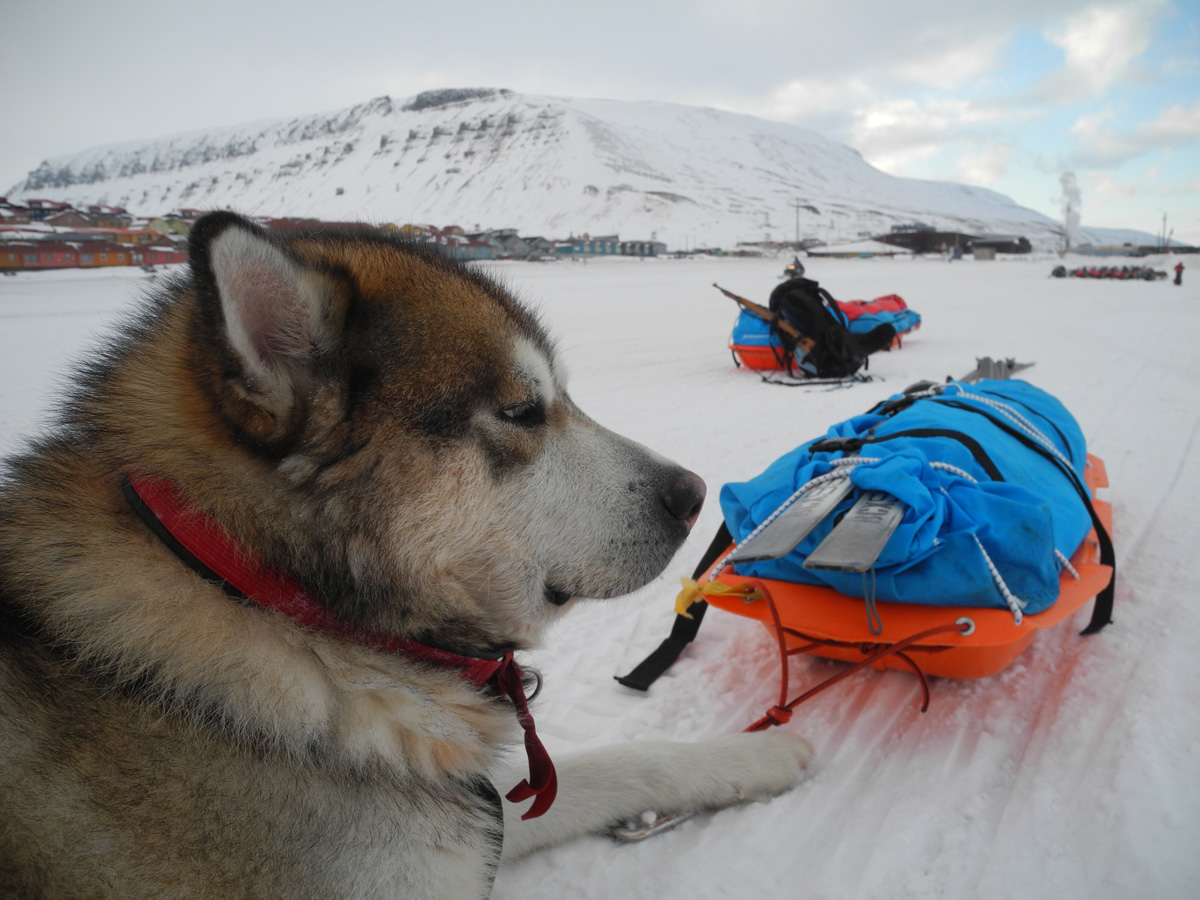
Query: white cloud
x=810, y=97
x=956, y=63
x=1174, y=123
x=1101, y=144
x=895, y=133
x=1100, y=44
x=1091, y=124
x=1105, y=186
x=986, y=169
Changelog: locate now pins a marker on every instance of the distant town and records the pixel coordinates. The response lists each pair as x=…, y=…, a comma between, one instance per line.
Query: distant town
x=48, y=234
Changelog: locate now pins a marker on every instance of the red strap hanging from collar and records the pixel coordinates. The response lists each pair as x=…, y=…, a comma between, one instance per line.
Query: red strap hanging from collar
x=223, y=556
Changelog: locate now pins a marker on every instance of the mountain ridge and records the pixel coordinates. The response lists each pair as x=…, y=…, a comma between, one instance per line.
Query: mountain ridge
x=553, y=166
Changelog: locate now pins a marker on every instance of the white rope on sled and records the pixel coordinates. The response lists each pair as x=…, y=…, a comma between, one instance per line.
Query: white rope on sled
x=1066, y=564
x=1014, y=416
x=853, y=461
x=1058, y=554
x=953, y=470
x=1015, y=603
x=841, y=470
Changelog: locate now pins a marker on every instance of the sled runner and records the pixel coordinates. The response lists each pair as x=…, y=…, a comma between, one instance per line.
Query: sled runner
x=988, y=531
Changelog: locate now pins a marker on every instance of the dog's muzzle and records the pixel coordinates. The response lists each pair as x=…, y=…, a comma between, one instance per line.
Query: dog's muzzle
x=684, y=498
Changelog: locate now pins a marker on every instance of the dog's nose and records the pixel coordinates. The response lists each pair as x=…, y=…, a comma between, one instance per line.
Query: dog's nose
x=684, y=497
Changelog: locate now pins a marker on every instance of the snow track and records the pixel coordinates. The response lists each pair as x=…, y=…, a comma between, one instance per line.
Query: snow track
x=1073, y=773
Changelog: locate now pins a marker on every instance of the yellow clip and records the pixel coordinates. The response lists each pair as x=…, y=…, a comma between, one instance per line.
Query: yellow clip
x=693, y=592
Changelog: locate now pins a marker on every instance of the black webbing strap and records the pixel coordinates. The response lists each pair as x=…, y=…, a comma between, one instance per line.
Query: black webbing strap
x=684, y=631
x=1102, y=610
x=1014, y=401
x=828, y=445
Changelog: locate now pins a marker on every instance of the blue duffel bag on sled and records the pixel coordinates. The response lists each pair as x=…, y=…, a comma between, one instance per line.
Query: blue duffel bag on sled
x=937, y=532
x=987, y=478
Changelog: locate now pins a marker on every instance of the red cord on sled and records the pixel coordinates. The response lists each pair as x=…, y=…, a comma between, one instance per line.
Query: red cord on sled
x=781, y=713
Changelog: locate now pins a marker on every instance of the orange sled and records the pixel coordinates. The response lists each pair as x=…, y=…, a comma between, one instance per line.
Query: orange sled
x=760, y=359
x=969, y=642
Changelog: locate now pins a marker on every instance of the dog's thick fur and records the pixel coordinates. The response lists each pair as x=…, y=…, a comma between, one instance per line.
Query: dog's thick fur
x=392, y=429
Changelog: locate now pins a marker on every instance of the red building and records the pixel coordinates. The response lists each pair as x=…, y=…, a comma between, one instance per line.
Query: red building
x=38, y=255
x=161, y=256
x=27, y=255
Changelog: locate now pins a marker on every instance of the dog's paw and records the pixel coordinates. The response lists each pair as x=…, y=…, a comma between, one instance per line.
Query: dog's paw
x=659, y=783
x=759, y=764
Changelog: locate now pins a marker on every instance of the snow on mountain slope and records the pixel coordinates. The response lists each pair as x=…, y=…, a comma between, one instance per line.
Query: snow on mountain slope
x=551, y=166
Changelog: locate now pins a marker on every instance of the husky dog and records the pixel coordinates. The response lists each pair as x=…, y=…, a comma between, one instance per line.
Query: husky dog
x=261, y=586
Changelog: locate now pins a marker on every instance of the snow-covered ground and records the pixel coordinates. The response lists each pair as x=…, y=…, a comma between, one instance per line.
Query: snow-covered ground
x=1074, y=773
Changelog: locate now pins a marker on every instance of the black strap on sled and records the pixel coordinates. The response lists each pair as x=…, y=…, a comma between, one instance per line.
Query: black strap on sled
x=684, y=631
x=1102, y=609
x=813, y=311
x=848, y=445
x=786, y=353
x=1029, y=410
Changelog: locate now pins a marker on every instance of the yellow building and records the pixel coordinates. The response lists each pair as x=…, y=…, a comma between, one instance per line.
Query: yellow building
x=169, y=225
x=93, y=254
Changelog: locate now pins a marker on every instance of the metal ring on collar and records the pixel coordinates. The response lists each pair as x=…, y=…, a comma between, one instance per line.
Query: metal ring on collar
x=528, y=674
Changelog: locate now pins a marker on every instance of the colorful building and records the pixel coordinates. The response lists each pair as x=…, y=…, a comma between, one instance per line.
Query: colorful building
x=608, y=245
x=39, y=255
x=135, y=235
x=40, y=209
x=160, y=256
x=108, y=216
x=169, y=225
x=95, y=254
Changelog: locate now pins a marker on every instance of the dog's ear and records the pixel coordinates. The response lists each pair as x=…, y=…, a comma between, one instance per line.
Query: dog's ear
x=277, y=317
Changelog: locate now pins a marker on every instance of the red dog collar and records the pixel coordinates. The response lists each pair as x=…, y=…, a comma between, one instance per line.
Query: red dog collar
x=203, y=544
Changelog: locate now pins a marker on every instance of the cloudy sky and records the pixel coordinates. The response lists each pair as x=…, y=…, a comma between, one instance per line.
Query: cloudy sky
x=1007, y=95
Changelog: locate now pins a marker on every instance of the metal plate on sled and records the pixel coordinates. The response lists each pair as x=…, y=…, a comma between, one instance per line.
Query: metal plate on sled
x=995, y=369
x=795, y=523
x=856, y=542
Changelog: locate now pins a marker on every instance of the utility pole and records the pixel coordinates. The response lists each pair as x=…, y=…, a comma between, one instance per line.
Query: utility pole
x=797, y=205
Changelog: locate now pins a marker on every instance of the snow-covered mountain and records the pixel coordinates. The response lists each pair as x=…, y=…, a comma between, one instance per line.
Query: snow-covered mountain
x=547, y=166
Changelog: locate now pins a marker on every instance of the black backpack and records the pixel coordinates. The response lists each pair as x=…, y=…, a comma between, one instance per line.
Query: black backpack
x=836, y=353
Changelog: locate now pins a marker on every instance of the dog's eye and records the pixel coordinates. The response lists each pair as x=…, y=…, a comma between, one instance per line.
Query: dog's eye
x=526, y=414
